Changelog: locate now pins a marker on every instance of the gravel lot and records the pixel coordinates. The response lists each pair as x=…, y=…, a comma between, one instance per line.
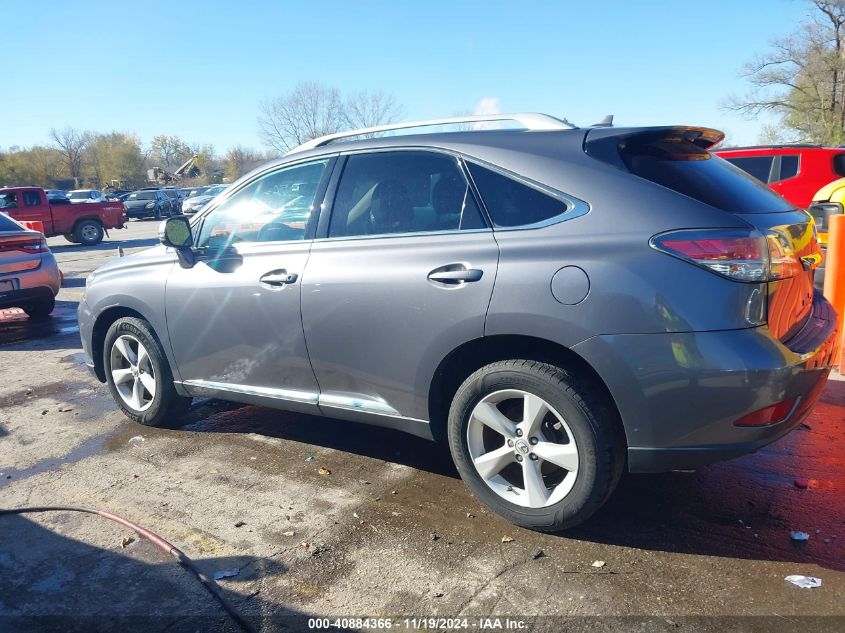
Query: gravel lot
x=390, y=532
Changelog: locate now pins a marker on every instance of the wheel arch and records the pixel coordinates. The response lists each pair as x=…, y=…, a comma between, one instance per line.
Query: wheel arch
x=98, y=334
x=95, y=218
x=474, y=354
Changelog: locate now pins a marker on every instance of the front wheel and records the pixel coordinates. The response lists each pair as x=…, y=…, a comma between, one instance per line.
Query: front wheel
x=138, y=374
x=540, y=448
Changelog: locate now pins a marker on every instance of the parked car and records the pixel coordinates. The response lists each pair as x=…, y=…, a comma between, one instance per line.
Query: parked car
x=29, y=276
x=557, y=304
x=78, y=196
x=196, y=203
x=175, y=196
x=796, y=172
x=146, y=203
x=79, y=224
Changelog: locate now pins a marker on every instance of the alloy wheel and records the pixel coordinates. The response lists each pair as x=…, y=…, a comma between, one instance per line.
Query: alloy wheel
x=133, y=372
x=522, y=448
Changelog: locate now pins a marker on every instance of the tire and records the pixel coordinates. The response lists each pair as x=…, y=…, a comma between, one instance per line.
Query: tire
x=69, y=237
x=578, y=429
x=150, y=409
x=158, y=214
x=88, y=232
x=41, y=309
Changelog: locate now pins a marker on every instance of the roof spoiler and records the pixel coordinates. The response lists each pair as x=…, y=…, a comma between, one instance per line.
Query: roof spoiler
x=604, y=143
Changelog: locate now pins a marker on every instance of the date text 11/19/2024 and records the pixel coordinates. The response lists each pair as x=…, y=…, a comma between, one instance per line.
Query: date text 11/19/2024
x=419, y=624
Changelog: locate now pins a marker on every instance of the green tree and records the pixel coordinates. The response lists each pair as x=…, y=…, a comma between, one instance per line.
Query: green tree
x=114, y=156
x=802, y=78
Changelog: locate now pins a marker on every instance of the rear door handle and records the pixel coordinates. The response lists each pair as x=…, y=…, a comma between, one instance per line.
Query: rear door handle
x=278, y=278
x=453, y=274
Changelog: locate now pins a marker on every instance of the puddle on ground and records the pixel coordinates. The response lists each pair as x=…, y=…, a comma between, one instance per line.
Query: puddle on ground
x=88, y=448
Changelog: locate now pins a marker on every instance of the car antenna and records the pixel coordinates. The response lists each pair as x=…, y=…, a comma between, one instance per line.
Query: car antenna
x=605, y=122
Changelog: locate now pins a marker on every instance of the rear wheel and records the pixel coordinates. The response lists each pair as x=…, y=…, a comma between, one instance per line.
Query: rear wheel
x=88, y=232
x=138, y=374
x=539, y=447
x=40, y=309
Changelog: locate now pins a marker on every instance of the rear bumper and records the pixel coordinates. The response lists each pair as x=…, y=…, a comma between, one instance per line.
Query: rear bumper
x=679, y=394
x=32, y=285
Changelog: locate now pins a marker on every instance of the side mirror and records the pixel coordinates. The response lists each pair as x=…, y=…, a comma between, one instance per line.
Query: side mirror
x=176, y=232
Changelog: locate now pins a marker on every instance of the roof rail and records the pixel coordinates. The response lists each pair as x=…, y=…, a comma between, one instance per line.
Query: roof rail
x=529, y=120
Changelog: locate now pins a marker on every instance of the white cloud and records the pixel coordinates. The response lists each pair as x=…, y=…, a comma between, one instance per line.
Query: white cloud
x=487, y=105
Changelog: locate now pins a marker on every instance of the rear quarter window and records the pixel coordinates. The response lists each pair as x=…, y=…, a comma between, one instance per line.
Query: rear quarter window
x=512, y=203
x=788, y=166
x=839, y=164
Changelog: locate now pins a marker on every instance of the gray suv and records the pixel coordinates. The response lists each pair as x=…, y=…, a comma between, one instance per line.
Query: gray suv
x=557, y=304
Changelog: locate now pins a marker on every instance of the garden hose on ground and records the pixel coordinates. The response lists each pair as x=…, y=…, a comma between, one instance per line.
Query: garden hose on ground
x=160, y=543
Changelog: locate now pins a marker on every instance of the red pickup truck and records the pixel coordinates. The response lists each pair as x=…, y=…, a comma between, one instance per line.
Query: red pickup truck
x=78, y=223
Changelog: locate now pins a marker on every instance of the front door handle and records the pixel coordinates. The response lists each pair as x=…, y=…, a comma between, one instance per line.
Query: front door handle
x=455, y=274
x=278, y=278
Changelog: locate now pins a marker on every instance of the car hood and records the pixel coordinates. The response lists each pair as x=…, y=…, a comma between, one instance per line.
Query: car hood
x=155, y=253
x=199, y=199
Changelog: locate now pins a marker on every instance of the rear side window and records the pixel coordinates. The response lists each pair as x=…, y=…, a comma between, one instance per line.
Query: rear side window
x=692, y=171
x=758, y=166
x=512, y=203
x=788, y=167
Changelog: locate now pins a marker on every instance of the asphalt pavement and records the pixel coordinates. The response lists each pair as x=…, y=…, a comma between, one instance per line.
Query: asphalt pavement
x=386, y=529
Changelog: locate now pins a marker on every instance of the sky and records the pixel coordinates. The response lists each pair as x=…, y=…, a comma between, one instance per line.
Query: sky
x=200, y=70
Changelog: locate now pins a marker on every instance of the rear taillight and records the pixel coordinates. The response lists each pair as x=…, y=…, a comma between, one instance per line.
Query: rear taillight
x=736, y=254
x=25, y=245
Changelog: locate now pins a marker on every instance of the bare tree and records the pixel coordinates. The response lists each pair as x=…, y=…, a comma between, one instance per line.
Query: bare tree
x=369, y=109
x=309, y=111
x=71, y=143
x=802, y=77
x=239, y=160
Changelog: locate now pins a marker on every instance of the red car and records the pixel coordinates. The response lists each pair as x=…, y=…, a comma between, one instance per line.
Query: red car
x=796, y=172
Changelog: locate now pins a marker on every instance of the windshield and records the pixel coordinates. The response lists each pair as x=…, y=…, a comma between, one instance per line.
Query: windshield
x=142, y=195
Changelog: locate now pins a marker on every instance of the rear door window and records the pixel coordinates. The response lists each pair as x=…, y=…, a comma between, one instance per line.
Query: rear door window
x=513, y=203
x=758, y=166
x=402, y=192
